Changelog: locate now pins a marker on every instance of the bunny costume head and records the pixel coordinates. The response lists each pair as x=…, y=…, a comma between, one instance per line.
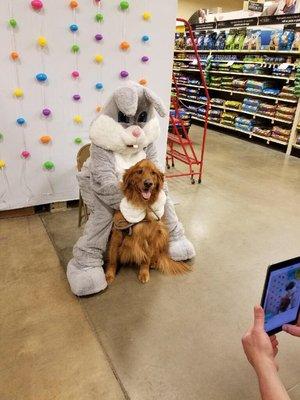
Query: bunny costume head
x=128, y=122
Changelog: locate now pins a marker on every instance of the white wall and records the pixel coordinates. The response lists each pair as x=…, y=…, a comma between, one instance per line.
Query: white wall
x=24, y=182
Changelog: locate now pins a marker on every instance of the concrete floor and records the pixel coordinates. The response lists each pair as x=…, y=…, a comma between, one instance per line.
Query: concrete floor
x=174, y=338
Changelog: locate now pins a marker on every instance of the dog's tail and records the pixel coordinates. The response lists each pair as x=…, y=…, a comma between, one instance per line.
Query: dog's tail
x=168, y=266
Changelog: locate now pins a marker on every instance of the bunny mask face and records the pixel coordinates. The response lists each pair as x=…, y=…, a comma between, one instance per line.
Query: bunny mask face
x=128, y=122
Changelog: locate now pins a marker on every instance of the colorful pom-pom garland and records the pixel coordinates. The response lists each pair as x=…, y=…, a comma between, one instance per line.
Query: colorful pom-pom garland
x=75, y=74
x=99, y=86
x=99, y=17
x=124, y=74
x=18, y=92
x=13, y=23
x=45, y=139
x=41, y=77
x=21, y=121
x=146, y=16
x=124, y=5
x=42, y=41
x=48, y=165
x=98, y=37
x=77, y=119
x=73, y=28
x=25, y=154
x=124, y=45
x=14, y=56
x=37, y=5
x=46, y=112
x=98, y=58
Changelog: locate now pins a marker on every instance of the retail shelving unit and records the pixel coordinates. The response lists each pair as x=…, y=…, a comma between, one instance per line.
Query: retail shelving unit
x=184, y=70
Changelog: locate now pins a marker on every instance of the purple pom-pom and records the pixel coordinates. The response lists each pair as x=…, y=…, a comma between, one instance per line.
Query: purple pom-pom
x=145, y=58
x=124, y=74
x=76, y=97
x=98, y=37
x=46, y=112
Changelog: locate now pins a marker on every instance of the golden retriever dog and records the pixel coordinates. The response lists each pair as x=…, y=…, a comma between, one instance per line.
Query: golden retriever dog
x=144, y=243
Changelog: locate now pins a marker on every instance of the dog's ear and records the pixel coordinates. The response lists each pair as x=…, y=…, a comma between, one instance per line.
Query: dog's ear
x=126, y=179
x=160, y=178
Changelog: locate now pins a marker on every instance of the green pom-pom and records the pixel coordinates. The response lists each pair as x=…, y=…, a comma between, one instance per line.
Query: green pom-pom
x=124, y=5
x=75, y=48
x=78, y=140
x=13, y=23
x=99, y=17
x=1, y=136
x=48, y=165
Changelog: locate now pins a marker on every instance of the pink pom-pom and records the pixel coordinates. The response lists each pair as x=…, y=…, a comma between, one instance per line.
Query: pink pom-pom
x=75, y=74
x=25, y=154
x=37, y=4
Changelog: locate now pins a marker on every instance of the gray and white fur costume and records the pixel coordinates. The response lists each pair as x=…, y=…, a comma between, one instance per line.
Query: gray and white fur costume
x=121, y=136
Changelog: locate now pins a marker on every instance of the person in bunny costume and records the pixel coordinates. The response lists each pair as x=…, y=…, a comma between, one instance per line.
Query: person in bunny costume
x=121, y=136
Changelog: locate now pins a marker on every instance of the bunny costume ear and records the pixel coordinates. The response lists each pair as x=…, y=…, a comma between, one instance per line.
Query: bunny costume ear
x=155, y=101
x=126, y=98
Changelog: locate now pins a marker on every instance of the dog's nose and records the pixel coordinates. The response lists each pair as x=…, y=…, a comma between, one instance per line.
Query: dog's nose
x=147, y=184
x=136, y=133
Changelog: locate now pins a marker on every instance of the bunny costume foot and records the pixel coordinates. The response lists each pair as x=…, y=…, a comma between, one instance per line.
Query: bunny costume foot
x=121, y=136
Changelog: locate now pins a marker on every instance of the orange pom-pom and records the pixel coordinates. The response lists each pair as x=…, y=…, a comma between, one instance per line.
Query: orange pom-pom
x=124, y=45
x=98, y=108
x=14, y=55
x=143, y=82
x=73, y=4
x=45, y=139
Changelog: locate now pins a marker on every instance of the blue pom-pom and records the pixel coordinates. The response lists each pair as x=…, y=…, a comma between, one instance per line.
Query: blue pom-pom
x=99, y=86
x=73, y=28
x=145, y=38
x=21, y=121
x=41, y=77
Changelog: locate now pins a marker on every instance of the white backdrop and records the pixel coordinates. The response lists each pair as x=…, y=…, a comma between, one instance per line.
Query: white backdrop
x=24, y=182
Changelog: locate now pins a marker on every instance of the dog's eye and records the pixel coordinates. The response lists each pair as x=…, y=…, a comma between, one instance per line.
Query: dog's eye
x=143, y=116
x=123, y=118
x=139, y=171
x=153, y=173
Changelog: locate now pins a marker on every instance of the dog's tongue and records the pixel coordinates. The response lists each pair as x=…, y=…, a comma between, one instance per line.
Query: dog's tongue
x=146, y=195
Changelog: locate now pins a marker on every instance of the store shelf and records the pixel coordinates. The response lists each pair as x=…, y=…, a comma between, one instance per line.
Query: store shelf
x=235, y=61
x=292, y=52
x=273, y=119
x=287, y=79
x=250, y=134
x=246, y=94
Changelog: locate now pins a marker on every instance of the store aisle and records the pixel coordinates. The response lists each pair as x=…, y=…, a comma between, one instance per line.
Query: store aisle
x=174, y=338
x=179, y=338
x=48, y=349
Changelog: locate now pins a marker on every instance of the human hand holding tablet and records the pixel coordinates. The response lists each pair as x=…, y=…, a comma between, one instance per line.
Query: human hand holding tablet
x=281, y=295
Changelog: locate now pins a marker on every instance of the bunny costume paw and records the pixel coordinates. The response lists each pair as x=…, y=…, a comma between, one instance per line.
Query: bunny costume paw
x=181, y=249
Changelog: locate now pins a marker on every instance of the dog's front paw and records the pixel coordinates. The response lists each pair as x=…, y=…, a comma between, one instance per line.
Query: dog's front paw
x=144, y=276
x=110, y=277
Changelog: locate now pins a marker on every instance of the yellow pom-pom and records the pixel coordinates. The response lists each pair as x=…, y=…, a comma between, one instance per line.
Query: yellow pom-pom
x=77, y=119
x=98, y=58
x=42, y=41
x=18, y=92
x=2, y=164
x=147, y=16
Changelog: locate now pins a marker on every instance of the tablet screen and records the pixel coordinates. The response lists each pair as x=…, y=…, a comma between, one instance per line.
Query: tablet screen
x=282, y=297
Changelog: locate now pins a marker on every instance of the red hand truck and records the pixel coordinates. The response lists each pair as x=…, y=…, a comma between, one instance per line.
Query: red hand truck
x=179, y=144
